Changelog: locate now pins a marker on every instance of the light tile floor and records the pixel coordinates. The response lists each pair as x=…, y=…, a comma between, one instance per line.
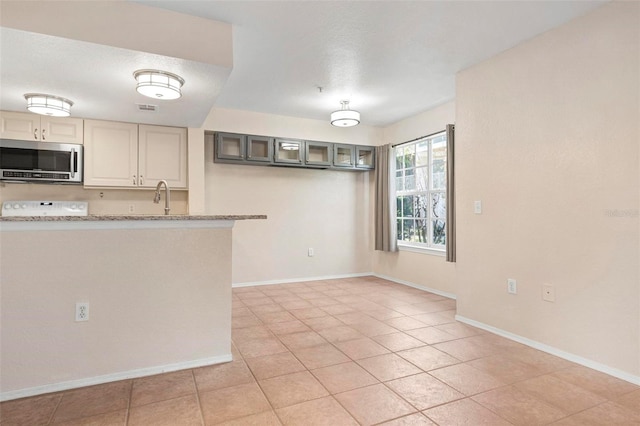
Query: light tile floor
x=347, y=352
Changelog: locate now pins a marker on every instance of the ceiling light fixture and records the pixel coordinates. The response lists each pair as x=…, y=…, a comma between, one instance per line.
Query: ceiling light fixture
x=48, y=105
x=345, y=117
x=158, y=84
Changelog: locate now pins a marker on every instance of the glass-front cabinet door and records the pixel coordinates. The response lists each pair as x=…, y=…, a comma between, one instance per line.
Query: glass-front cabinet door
x=344, y=156
x=288, y=151
x=365, y=157
x=318, y=153
x=259, y=148
x=230, y=146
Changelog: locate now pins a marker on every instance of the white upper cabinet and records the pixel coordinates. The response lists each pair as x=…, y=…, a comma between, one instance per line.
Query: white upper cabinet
x=110, y=154
x=134, y=156
x=162, y=154
x=33, y=127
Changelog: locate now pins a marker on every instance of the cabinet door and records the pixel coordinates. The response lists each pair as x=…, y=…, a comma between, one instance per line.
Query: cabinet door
x=318, y=153
x=162, y=154
x=365, y=157
x=61, y=129
x=288, y=151
x=110, y=154
x=260, y=149
x=19, y=125
x=230, y=146
x=33, y=127
x=344, y=156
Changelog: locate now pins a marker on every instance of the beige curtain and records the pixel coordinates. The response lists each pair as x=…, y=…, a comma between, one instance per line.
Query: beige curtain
x=385, y=226
x=451, y=195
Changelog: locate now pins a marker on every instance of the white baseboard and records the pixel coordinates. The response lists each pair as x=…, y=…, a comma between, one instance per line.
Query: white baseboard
x=300, y=280
x=418, y=286
x=554, y=351
x=107, y=378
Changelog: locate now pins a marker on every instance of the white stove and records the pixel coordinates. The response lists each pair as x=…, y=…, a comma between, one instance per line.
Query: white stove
x=45, y=208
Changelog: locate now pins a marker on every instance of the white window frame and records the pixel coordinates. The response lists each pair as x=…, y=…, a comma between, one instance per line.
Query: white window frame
x=428, y=247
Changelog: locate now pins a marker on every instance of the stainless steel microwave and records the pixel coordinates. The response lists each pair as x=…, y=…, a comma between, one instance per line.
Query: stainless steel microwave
x=46, y=162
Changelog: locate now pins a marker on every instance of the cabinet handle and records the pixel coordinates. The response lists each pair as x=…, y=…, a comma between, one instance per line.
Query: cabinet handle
x=35, y=134
x=141, y=180
x=43, y=130
x=72, y=165
x=134, y=179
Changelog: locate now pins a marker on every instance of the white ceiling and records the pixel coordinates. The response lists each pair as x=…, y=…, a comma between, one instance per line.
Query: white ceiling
x=391, y=59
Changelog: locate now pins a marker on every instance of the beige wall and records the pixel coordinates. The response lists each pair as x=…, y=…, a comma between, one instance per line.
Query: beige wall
x=326, y=210
x=160, y=299
x=423, y=270
x=547, y=136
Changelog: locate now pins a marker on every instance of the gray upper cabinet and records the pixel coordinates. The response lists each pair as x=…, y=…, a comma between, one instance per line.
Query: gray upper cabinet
x=365, y=157
x=318, y=154
x=288, y=151
x=234, y=148
x=344, y=156
x=230, y=146
x=259, y=149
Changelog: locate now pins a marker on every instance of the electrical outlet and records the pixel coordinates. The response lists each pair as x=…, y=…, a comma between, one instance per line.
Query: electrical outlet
x=132, y=208
x=477, y=207
x=512, y=286
x=82, y=311
x=548, y=292
x=310, y=252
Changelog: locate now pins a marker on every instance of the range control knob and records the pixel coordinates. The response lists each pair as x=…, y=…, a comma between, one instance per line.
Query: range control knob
x=16, y=206
x=7, y=206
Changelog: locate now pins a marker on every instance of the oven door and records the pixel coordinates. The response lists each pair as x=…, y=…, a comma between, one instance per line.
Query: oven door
x=40, y=161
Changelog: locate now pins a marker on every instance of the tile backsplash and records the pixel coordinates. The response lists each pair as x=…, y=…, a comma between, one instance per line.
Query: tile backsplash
x=101, y=201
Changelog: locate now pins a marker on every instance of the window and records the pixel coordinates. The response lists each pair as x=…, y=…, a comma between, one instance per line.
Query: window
x=421, y=208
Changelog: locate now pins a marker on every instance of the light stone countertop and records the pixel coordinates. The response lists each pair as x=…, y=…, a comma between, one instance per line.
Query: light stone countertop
x=115, y=218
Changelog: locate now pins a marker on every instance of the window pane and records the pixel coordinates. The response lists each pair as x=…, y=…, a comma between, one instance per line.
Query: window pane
x=438, y=205
x=410, y=180
x=407, y=230
x=422, y=231
x=399, y=181
x=407, y=206
x=439, y=176
x=399, y=229
x=422, y=179
x=398, y=206
x=439, y=232
x=399, y=158
x=422, y=153
x=409, y=156
x=422, y=204
x=439, y=163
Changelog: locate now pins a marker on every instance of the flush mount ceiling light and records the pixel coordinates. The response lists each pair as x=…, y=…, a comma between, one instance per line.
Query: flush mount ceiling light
x=54, y=106
x=158, y=84
x=345, y=117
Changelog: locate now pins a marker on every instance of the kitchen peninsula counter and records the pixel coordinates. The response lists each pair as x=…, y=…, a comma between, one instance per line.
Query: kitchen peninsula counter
x=111, y=218
x=158, y=287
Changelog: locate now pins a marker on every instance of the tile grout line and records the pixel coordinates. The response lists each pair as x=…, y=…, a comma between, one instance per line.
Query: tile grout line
x=195, y=385
x=53, y=413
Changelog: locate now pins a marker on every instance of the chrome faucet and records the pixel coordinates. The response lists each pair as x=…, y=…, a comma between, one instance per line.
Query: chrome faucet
x=167, y=198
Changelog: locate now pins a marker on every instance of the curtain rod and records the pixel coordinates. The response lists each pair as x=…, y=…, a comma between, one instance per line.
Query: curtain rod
x=417, y=139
